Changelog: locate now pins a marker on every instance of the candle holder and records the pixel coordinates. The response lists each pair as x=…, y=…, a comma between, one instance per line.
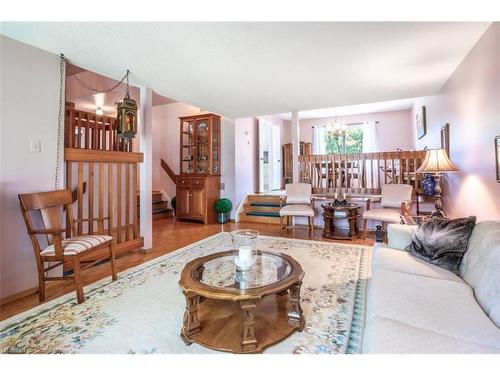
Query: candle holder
x=245, y=248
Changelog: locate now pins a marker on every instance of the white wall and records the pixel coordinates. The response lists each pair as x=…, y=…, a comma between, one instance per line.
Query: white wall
x=246, y=144
x=29, y=109
x=470, y=103
x=228, y=170
x=394, y=128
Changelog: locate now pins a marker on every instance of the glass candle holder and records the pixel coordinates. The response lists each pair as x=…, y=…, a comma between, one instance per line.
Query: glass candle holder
x=245, y=248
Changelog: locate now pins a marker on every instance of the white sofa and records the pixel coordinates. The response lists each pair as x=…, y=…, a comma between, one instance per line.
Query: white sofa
x=416, y=307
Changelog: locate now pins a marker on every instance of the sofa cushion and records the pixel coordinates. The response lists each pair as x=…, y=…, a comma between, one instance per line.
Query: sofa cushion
x=387, y=336
x=399, y=235
x=442, y=242
x=480, y=267
x=402, y=261
x=441, y=306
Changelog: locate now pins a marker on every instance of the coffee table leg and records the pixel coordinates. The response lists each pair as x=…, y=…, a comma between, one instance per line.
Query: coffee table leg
x=295, y=315
x=191, y=324
x=248, y=340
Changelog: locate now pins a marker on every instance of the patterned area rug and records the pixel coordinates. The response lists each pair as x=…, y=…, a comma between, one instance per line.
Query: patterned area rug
x=142, y=311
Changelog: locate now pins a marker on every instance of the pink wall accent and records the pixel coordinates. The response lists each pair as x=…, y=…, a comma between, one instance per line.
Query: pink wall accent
x=166, y=138
x=470, y=103
x=29, y=76
x=394, y=128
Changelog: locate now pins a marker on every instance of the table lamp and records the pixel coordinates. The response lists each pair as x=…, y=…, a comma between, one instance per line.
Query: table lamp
x=437, y=162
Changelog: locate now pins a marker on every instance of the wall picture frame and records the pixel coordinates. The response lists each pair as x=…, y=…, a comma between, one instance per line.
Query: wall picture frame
x=421, y=122
x=445, y=138
x=497, y=157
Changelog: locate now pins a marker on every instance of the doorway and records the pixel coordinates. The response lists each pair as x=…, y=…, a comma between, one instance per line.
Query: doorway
x=269, y=156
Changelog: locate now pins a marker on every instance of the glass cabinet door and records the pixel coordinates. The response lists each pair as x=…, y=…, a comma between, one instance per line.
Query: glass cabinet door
x=202, y=149
x=215, y=146
x=187, y=147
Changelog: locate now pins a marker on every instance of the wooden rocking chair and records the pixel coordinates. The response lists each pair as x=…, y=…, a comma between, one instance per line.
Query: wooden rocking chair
x=71, y=249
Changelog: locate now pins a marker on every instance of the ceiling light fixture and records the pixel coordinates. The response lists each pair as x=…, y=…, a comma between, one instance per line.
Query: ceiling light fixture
x=99, y=111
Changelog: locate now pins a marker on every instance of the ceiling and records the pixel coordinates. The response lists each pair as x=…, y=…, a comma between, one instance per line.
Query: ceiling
x=357, y=109
x=242, y=69
x=88, y=100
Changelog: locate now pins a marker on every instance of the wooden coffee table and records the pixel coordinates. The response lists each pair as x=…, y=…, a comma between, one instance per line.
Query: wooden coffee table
x=241, y=312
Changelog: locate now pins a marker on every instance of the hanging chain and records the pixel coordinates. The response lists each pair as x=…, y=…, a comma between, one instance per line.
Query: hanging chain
x=83, y=84
x=62, y=62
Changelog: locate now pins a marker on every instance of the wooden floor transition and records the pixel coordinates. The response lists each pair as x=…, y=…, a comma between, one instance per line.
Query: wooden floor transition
x=168, y=234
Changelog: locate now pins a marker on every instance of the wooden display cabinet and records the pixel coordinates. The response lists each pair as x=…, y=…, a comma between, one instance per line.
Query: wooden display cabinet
x=198, y=185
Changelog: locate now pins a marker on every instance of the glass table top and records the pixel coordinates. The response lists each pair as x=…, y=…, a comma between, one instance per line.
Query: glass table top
x=221, y=272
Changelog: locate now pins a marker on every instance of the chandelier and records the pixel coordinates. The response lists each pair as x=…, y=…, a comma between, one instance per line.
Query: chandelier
x=338, y=128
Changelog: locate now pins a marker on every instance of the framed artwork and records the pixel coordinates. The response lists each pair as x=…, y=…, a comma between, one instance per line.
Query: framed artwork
x=497, y=156
x=445, y=138
x=421, y=123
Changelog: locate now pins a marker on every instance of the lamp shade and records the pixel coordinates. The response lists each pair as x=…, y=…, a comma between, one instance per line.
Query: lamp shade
x=437, y=161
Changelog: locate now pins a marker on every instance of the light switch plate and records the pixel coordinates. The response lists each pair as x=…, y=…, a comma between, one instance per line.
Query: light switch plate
x=36, y=145
x=222, y=185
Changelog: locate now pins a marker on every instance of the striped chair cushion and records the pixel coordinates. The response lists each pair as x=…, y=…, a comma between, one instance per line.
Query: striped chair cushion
x=75, y=245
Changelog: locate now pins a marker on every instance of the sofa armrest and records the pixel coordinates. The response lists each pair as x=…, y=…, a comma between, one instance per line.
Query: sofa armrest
x=399, y=235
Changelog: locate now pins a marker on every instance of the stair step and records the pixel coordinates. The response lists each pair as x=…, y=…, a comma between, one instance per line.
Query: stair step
x=254, y=208
x=263, y=213
x=273, y=199
x=163, y=212
x=244, y=218
x=265, y=204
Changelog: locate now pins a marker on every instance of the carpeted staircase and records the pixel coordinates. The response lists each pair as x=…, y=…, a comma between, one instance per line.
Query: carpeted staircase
x=261, y=209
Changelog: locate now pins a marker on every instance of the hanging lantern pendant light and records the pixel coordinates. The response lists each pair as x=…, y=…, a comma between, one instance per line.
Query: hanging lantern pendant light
x=127, y=117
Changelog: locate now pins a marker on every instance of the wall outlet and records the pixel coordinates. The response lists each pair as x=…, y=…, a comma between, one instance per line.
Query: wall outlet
x=35, y=145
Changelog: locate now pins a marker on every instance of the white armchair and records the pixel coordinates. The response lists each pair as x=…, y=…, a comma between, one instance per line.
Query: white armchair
x=396, y=201
x=298, y=203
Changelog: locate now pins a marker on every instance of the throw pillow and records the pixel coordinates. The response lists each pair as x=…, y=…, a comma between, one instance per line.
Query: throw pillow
x=442, y=242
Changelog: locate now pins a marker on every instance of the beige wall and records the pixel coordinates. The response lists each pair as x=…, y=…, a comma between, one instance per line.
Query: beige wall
x=470, y=103
x=29, y=109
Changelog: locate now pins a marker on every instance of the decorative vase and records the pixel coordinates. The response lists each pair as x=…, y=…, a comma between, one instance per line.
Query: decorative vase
x=245, y=248
x=429, y=184
x=222, y=217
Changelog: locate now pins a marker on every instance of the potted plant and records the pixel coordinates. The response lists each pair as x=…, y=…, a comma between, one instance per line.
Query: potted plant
x=223, y=207
x=173, y=203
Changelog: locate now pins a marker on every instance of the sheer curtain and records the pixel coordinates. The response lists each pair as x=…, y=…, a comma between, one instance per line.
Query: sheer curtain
x=370, y=144
x=319, y=145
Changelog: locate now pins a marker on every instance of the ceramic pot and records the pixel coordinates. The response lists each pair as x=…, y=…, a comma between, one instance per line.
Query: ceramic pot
x=222, y=217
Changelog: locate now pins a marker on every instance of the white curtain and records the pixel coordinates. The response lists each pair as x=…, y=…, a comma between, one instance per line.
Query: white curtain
x=370, y=144
x=319, y=145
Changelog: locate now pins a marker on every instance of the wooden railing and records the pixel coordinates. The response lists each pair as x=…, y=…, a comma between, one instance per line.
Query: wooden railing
x=86, y=130
x=363, y=173
x=111, y=179
x=169, y=171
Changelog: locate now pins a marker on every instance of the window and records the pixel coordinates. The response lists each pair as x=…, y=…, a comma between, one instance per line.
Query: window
x=350, y=143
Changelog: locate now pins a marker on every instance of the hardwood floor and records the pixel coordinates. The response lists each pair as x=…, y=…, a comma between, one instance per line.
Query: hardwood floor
x=168, y=235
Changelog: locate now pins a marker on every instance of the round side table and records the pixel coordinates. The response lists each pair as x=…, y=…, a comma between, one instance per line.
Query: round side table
x=351, y=214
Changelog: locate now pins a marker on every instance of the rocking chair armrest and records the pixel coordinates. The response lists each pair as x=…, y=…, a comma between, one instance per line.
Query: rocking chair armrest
x=47, y=231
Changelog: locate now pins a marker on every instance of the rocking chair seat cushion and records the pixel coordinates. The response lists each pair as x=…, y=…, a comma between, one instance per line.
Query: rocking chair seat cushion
x=297, y=210
x=75, y=245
